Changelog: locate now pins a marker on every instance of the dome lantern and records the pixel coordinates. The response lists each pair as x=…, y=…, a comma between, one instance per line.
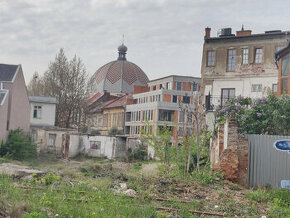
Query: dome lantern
x=122, y=49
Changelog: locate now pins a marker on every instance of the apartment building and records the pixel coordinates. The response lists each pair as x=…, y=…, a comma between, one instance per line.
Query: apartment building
x=239, y=64
x=163, y=103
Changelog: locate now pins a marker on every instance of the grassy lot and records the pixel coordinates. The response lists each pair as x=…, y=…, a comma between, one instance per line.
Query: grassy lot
x=86, y=188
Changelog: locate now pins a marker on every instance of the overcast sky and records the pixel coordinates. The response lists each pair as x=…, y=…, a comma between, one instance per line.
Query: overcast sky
x=163, y=36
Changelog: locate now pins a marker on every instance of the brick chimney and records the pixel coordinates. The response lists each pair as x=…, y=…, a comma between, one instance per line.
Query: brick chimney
x=243, y=32
x=207, y=32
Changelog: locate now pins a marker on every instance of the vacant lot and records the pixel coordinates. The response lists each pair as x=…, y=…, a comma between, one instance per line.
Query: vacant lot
x=102, y=188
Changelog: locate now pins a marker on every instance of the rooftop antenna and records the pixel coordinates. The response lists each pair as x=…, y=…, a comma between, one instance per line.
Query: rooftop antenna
x=123, y=39
x=242, y=27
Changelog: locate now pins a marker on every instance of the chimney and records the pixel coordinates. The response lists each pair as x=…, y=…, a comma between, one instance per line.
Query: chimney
x=207, y=32
x=243, y=32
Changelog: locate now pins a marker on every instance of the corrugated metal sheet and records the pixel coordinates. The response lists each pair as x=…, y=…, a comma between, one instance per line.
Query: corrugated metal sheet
x=267, y=165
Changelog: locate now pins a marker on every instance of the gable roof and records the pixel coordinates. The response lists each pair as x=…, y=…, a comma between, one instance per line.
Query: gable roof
x=8, y=72
x=120, y=102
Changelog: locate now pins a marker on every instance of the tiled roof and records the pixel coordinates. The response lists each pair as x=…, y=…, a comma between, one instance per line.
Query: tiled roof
x=120, y=102
x=117, y=76
x=101, y=106
x=116, y=70
x=39, y=99
x=7, y=72
x=94, y=98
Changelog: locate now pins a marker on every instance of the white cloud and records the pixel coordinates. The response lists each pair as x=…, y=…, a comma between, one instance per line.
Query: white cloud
x=163, y=36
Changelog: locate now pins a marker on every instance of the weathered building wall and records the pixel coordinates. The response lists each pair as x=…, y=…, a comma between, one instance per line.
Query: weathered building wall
x=104, y=146
x=230, y=156
x=243, y=76
x=47, y=114
x=52, y=140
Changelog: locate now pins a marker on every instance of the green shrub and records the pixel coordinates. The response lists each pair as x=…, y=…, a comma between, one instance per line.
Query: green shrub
x=138, y=154
x=269, y=116
x=259, y=195
x=19, y=146
x=205, y=176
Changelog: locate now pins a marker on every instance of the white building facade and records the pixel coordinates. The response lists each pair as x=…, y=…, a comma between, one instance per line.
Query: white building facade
x=42, y=111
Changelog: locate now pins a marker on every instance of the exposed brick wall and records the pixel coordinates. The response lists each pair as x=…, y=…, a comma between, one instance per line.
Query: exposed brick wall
x=167, y=98
x=139, y=89
x=233, y=160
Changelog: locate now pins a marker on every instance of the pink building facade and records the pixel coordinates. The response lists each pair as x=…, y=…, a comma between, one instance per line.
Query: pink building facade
x=14, y=103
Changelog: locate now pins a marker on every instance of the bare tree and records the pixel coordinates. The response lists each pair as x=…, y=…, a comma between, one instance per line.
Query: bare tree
x=36, y=86
x=198, y=113
x=67, y=81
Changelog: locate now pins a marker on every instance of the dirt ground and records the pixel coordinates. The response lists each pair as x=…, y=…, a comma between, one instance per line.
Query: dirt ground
x=144, y=181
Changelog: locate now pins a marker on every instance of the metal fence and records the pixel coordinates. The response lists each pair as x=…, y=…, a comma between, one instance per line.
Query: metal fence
x=266, y=164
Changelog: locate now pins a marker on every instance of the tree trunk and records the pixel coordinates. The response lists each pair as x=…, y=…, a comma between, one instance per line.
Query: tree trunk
x=189, y=155
x=197, y=146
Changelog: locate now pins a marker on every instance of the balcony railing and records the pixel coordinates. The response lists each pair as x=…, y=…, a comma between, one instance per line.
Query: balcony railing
x=213, y=101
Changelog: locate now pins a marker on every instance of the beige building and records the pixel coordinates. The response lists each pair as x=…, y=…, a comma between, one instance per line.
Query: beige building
x=42, y=111
x=239, y=64
x=14, y=104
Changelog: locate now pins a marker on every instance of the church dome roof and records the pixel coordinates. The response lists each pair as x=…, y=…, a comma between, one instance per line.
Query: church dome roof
x=118, y=76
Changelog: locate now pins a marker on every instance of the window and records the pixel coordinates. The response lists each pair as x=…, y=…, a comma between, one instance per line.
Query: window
x=180, y=131
x=179, y=86
x=174, y=98
x=154, y=87
x=189, y=117
x=181, y=117
x=95, y=145
x=257, y=88
x=128, y=117
x=227, y=94
x=186, y=99
x=188, y=131
x=194, y=86
x=51, y=139
x=169, y=85
x=258, y=55
x=245, y=56
x=210, y=58
x=285, y=65
x=166, y=115
x=284, y=86
x=231, y=60
x=285, y=74
x=150, y=114
x=160, y=86
x=37, y=112
x=275, y=88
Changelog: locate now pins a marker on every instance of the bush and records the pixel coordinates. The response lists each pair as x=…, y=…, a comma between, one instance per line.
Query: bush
x=270, y=116
x=138, y=154
x=19, y=146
